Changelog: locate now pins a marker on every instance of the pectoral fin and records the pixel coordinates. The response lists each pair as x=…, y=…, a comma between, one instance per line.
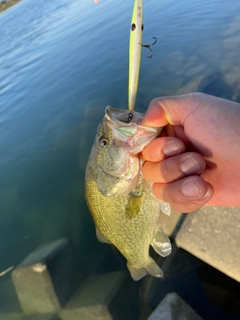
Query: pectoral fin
x=101, y=237
x=133, y=206
x=161, y=244
x=134, y=203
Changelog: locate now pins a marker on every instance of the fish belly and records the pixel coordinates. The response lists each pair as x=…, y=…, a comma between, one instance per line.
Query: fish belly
x=131, y=236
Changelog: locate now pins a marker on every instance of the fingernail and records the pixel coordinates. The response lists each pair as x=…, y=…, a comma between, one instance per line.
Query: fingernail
x=171, y=149
x=190, y=189
x=190, y=165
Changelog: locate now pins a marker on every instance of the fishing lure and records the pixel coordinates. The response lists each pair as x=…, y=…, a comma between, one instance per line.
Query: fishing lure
x=135, y=50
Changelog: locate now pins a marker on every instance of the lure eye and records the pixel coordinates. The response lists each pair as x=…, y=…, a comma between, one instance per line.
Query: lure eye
x=133, y=27
x=142, y=27
x=102, y=142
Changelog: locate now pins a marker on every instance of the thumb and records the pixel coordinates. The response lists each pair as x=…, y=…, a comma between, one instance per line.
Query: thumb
x=173, y=110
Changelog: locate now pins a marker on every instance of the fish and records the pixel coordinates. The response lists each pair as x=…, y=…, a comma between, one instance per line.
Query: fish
x=135, y=51
x=123, y=207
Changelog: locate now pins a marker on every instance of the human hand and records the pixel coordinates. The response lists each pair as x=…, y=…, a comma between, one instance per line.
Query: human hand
x=196, y=161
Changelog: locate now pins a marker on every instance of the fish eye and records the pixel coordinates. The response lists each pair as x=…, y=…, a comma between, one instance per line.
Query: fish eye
x=142, y=26
x=133, y=27
x=102, y=142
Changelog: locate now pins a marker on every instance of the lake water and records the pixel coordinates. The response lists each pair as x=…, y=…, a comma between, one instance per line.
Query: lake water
x=61, y=63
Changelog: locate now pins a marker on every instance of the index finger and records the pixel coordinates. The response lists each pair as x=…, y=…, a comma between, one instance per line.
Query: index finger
x=173, y=110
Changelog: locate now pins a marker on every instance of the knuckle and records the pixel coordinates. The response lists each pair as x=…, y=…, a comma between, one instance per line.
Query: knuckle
x=167, y=171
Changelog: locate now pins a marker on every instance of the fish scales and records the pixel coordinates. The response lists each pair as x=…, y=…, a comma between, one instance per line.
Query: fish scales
x=124, y=210
x=124, y=232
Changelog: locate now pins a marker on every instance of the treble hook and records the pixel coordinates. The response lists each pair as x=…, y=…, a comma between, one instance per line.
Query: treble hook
x=149, y=46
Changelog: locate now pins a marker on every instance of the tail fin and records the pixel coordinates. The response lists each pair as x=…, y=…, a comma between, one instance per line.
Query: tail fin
x=151, y=267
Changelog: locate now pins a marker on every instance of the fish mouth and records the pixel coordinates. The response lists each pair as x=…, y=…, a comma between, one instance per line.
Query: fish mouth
x=129, y=135
x=119, y=116
x=119, y=119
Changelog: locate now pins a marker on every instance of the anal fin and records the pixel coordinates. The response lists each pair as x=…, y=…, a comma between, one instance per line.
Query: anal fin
x=161, y=244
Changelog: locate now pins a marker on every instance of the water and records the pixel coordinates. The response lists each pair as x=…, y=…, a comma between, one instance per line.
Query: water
x=61, y=63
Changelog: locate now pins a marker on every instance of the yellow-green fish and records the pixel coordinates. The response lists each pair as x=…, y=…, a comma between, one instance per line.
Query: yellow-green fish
x=123, y=207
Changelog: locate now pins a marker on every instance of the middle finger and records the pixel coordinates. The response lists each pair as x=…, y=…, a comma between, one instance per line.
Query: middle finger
x=174, y=168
